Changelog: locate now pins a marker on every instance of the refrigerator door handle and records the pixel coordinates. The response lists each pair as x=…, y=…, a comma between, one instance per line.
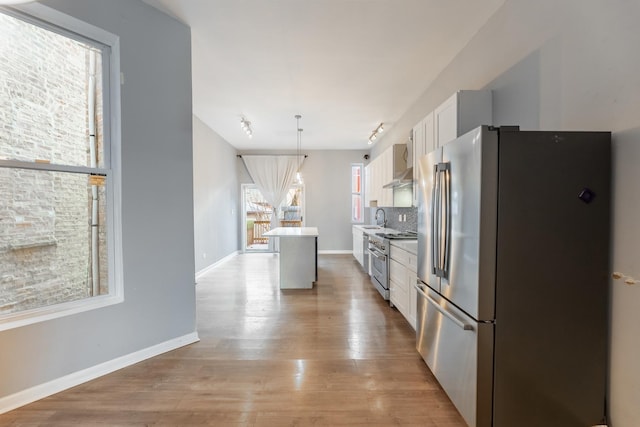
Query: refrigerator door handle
x=435, y=217
x=447, y=218
x=443, y=311
x=440, y=240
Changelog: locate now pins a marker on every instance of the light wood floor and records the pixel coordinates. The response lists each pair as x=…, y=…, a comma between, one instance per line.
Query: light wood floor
x=336, y=355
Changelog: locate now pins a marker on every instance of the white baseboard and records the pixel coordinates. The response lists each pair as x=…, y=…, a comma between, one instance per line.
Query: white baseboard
x=335, y=252
x=215, y=264
x=47, y=389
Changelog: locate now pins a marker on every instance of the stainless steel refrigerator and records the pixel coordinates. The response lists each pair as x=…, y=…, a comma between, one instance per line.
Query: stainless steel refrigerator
x=513, y=268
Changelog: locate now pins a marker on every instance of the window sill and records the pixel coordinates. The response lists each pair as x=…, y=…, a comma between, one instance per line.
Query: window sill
x=37, y=315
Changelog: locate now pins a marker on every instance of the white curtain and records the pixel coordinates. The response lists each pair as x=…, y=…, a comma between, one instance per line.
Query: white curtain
x=273, y=175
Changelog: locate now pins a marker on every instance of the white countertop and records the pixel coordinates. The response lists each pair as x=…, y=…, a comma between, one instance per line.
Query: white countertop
x=292, y=232
x=372, y=229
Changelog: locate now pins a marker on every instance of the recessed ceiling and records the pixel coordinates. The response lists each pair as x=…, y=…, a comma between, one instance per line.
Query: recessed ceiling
x=344, y=65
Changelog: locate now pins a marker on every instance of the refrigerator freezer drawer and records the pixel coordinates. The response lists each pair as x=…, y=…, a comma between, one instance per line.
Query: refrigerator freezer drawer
x=458, y=350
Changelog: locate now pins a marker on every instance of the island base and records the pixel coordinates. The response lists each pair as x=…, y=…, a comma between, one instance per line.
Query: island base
x=298, y=262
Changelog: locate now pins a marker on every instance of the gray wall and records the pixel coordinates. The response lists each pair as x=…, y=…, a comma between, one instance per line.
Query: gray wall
x=157, y=209
x=215, y=196
x=327, y=176
x=327, y=179
x=569, y=65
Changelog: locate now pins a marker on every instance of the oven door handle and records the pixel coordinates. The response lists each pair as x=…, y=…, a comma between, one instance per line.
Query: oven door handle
x=378, y=255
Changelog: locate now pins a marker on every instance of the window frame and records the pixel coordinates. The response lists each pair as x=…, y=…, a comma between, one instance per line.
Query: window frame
x=109, y=44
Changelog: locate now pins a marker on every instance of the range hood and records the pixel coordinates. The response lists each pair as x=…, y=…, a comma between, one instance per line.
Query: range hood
x=401, y=179
x=402, y=175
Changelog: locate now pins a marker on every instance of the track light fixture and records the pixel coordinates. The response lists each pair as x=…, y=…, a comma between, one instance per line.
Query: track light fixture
x=375, y=133
x=246, y=126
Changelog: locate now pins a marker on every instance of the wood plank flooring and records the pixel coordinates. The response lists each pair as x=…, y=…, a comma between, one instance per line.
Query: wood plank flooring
x=335, y=355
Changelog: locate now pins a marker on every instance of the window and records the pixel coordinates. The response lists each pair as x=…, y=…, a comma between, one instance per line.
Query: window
x=58, y=235
x=257, y=214
x=356, y=192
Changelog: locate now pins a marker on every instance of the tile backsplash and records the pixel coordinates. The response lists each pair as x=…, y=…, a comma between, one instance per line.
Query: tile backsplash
x=395, y=218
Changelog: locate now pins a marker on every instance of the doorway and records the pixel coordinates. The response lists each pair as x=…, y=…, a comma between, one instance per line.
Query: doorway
x=257, y=215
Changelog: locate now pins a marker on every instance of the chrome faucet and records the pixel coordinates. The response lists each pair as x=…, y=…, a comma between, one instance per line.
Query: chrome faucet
x=384, y=216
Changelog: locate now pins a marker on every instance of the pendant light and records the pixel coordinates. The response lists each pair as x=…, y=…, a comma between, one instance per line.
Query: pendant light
x=298, y=148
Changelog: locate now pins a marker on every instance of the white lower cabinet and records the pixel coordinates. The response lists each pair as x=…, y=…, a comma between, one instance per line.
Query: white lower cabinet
x=358, y=249
x=402, y=277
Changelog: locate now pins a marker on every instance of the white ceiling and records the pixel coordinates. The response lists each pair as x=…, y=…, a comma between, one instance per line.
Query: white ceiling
x=344, y=65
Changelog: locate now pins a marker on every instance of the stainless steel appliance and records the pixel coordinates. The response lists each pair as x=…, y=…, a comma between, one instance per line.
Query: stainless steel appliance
x=379, y=248
x=513, y=241
x=379, y=251
x=402, y=172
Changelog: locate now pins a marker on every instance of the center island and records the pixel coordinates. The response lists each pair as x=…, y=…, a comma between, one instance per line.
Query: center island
x=298, y=256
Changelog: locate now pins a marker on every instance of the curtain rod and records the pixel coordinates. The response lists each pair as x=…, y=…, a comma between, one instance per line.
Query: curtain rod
x=240, y=155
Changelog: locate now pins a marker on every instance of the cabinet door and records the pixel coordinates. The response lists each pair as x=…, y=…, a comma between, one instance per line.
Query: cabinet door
x=418, y=148
x=357, y=245
x=379, y=180
x=368, y=185
x=397, y=287
x=413, y=301
x=374, y=190
x=446, y=121
x=412, y=278
x=429, y=135
x=463, y=111
x=387, y=176
x=423, y=143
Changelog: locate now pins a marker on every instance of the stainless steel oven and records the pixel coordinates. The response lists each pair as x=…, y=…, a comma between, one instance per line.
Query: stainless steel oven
x=379, y=251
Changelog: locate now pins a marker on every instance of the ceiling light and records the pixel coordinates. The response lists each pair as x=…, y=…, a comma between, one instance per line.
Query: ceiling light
x=375, y=132
x=246, y=126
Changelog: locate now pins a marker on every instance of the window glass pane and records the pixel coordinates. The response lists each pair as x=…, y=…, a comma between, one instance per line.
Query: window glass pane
x=356, y=211
x=356, y=192
x=356, y=179
x=291, y=208
x=46, y=251
x=51, y=86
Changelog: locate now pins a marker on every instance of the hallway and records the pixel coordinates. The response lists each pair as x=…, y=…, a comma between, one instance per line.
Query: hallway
x=336, y=355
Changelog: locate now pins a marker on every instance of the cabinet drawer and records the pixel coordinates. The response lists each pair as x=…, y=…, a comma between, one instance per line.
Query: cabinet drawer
x=407, y=259
x=400, y=255
x=397, y=272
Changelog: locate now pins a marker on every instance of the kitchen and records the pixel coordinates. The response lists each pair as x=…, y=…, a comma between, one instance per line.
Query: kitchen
x=520, y=69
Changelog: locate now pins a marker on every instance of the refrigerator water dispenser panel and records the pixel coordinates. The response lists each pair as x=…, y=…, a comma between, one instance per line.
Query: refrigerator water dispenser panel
x=586, y=195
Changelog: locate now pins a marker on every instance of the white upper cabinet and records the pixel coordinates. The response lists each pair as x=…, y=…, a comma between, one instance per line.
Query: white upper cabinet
x=423, y=142
x=462, y=112
x=368, y=184
x=378, y=173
